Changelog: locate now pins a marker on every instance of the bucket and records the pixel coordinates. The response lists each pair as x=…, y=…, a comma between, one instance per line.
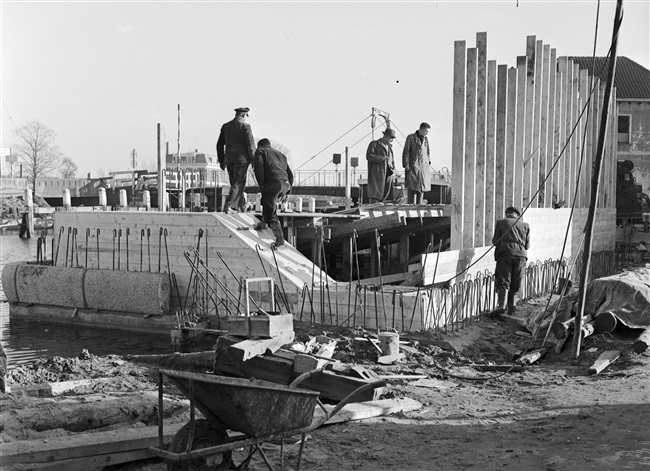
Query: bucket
x=563, y=284
x=389, y=342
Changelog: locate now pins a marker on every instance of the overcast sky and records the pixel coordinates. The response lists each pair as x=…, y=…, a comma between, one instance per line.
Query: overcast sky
x=103, y=74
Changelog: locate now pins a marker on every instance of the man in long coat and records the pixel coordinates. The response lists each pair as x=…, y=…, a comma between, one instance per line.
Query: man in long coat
x=275, y=180
x=235, y=149
x=381, y=167
x=511, y=240
x=416, y=158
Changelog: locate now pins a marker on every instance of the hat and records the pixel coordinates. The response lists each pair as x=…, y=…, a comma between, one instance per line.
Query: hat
x=390, y=132
x=263, y=143
x=512, y=209
x=242, y=110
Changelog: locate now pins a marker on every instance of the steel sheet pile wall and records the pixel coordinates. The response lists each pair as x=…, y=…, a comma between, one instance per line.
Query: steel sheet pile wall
x=523, y=136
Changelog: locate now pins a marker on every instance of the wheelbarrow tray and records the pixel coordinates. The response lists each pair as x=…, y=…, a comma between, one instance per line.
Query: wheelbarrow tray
x=253, y=407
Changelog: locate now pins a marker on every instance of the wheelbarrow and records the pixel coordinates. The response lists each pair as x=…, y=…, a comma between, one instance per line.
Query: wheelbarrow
x=253, y=411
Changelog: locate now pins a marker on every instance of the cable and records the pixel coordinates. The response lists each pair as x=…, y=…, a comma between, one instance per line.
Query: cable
x=334, y=142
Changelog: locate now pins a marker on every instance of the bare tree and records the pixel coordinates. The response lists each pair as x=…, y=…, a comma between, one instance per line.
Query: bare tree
x=68, y=168
x=37, y=150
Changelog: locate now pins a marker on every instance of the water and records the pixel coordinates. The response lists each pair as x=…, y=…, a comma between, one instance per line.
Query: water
x=24, y=341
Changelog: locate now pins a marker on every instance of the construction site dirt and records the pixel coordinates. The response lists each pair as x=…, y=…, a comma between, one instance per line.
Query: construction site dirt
x=476, y=412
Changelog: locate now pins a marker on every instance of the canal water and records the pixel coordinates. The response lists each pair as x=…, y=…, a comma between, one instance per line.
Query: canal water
x=24, y=341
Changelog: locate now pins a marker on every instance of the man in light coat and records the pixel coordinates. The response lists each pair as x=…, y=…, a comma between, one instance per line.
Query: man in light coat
x=416, y=158
x=235, y=150
x=381, y=167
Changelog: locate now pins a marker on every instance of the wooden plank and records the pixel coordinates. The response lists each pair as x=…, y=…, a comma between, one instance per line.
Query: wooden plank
x=550, y=135
x=596, y=101
x=470, y=150
x=569, y=151
x=537, y=132
x=541, y=186
x=479, y=167
x=490, y=190
x=557, y=134
x=520, y=129
x=511, y=140
x=368, y=409
x=367, y=225
x=500, y=140
x=458, y=146
x=576, y=141
x=250, y=348
x=529, y=120
x=603, y=361
x=564, y=74
x=59, y=450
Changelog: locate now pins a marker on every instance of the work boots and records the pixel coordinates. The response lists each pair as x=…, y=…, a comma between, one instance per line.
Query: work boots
x=277, y=232
x=501, y=301
x=512, y=303
x=260, y=226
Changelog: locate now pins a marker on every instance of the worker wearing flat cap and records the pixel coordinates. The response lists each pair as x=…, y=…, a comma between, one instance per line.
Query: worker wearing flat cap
x=275, y=180
x=381, y=168
x=235, y=150
x=512, y=240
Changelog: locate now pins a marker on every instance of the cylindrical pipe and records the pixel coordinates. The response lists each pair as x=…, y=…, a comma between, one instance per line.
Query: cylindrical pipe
x=102, y=198
x=123, y=199
x=146, y=199
x=67, y=200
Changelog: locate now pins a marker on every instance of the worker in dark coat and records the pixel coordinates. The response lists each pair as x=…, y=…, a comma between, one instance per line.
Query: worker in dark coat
x=416, y=158
x=512, y=240
x=381, y=167
x=275, y=180
x=235, y=149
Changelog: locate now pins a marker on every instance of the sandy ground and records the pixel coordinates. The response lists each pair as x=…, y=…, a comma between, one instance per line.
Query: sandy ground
x=552, y=416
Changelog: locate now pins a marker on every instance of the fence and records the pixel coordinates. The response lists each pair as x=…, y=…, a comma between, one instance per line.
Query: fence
x=523, y=136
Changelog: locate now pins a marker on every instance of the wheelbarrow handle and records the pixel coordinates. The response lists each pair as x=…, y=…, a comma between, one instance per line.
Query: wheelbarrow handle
x=348, y=399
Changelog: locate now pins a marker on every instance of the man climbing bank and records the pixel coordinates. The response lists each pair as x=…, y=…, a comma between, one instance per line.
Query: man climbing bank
x=235, y=149
x=275, y=180
x=512, y=240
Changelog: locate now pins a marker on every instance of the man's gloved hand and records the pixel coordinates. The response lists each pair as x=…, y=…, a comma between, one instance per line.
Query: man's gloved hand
x=223, y=166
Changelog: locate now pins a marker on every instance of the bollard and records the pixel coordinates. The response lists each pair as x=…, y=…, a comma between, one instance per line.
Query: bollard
x=146, y=199
x=67, y=200
x=103, y=202
x=298, y=205
x=258, y=203
x=123, y=199
x=312, y=205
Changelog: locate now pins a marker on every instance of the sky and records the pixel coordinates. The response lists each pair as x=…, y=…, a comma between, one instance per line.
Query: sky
x=102, y=75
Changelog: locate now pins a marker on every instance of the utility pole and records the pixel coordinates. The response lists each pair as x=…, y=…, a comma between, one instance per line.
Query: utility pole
x=347, y=179
x=162, y=184
x=595, y=179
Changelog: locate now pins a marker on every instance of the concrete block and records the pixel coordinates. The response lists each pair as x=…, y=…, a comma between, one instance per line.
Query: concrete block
x=39, y=284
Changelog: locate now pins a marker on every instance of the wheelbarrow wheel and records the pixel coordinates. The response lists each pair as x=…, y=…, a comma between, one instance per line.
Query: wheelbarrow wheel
x=205, y=436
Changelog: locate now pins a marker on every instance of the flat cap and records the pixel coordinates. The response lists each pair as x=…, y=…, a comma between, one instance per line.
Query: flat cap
x=512, y=209
x=242, y=110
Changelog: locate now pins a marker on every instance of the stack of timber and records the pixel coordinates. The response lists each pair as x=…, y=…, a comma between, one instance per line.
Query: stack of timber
x=234, y=357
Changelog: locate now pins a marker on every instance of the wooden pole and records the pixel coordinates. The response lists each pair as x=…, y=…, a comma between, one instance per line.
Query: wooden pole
x=161, y=176
x=618, y=19
x=347, y=179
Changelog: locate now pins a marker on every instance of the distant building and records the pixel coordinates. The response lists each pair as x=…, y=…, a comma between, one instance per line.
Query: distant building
x=196, y=167
x=52, y=187
x=632, y=82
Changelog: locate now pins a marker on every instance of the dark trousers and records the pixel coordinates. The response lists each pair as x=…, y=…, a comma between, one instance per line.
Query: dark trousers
x=271, y=192
x=509, y=272
x=237, y=177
